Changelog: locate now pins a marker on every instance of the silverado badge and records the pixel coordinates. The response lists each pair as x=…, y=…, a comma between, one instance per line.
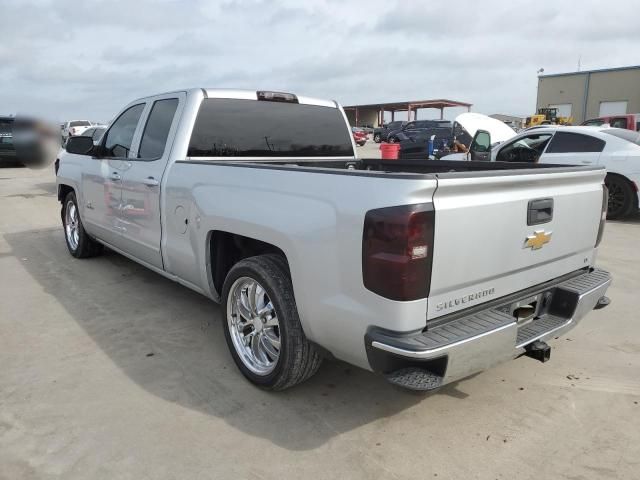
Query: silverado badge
x=538, y=239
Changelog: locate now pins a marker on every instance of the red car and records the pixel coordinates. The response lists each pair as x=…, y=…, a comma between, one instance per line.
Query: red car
x=630, y=121
x=359, y=136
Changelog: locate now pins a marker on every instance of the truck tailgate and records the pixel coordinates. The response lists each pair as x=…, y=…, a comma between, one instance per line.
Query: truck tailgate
x=483, y=246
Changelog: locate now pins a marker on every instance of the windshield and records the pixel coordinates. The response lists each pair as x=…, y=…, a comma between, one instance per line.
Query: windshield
x=250, y=128
x=79, y=123
x=633, y=137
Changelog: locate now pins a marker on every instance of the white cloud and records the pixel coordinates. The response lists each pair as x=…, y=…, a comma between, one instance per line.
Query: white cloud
x=87, y=59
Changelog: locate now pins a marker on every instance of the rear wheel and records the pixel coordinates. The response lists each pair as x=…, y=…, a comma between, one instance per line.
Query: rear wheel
x=376, y=138
x=79, y=243
x=262, y=327
x=621, y=197
x=391, y=139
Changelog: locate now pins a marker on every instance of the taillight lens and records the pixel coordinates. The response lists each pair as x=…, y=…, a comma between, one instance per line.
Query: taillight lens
x=397, y=251
x=603, y=213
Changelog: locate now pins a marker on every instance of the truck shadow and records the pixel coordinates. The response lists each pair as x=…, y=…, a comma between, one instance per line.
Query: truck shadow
x=169, y=341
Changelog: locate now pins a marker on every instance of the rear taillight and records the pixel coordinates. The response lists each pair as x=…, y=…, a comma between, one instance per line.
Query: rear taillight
x=397, y=251
x=603, y=213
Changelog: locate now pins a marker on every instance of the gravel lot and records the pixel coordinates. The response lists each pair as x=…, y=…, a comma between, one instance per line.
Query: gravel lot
x=109, y=371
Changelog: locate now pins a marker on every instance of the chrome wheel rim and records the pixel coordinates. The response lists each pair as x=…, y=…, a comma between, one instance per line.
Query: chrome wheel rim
x=253, y=326
x=71, y=225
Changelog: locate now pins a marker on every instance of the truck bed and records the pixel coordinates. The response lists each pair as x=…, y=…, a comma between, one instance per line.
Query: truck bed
x=402, y=168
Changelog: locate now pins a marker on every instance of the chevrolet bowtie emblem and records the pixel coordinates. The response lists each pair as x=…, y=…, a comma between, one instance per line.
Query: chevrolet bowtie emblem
x=538, y=240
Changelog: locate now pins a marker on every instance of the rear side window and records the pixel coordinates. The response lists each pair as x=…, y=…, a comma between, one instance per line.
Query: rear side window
x=156, y=131
x=254, y=128
x=565, y=142
x=120, y=135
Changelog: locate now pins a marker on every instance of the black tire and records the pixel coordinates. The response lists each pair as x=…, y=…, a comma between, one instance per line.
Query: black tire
x=621, y=197
x=377, y=138
x=86, y=246
x=298, y=359
x=391, y=139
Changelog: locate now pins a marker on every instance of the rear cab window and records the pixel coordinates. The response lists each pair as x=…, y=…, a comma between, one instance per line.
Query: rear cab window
x=254, y=128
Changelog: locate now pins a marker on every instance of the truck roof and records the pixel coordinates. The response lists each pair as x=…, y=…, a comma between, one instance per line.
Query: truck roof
x=245, y=94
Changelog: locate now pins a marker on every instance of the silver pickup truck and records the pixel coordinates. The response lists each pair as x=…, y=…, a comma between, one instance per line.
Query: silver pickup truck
x=423, y=271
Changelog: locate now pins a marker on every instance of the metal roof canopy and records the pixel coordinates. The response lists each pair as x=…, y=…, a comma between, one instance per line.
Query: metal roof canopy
x=408, y=106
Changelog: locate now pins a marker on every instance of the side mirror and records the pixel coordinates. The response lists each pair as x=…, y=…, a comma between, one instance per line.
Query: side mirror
x=480, y=148
x=80, y=145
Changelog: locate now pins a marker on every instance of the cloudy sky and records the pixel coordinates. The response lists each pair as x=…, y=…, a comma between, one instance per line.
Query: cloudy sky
x=86, y=59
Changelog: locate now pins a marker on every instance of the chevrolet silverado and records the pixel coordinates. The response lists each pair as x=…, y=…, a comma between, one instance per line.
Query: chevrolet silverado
x=423, y=271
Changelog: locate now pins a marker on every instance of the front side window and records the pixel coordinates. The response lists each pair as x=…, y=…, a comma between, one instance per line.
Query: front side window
x=526, y=149
x=255, y=128
x=618, y=122
x=566, y=142
x=119, y=137
x=154, y=138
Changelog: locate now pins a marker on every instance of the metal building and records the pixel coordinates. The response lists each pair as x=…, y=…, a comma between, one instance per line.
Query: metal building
x=591, y=93
x=373, y=114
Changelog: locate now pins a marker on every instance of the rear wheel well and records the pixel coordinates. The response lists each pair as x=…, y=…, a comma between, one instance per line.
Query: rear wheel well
x=629, y=182
x=226, y=249
x=63, y=191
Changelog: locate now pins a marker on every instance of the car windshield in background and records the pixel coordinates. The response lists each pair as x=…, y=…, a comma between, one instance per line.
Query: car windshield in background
x=254, y=128
x=80, y=123
x=633, y=137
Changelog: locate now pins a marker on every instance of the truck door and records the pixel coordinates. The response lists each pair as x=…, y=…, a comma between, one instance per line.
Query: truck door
x=140, y=217
x=102, y=178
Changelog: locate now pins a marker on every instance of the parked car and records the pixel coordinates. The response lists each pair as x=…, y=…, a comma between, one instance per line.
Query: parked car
x=417, y=128
x=359, y=136
x=616, y=149
x=258, y=201
x=380, y=134
x=74, y=127
x=463, y=129
x=629, y=121
x=7, y=148
x=95, y=132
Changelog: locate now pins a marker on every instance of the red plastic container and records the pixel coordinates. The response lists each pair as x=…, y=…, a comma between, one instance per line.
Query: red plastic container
x=390, y=151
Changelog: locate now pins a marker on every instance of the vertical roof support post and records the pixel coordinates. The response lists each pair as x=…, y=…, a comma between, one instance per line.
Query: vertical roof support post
x=441, y=113
x=356, y=117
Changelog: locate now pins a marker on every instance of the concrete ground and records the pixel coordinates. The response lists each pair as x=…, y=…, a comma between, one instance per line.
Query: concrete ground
x=109, y=371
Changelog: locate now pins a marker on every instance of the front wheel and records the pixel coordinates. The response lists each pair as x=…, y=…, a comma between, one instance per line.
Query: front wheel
x=262, y=327
x=79, y=243
x=621, y=197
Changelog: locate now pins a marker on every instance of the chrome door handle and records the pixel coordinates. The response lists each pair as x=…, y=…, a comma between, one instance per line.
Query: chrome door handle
x=115, y=176
x=151, y=182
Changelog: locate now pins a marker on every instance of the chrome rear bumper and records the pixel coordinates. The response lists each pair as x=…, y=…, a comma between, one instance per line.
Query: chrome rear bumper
x=473, y=342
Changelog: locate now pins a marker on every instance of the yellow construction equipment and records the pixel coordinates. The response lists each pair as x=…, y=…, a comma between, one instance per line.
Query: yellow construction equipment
x=547, y=116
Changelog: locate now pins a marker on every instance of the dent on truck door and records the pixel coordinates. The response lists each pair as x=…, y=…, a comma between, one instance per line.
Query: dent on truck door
x=102, y=178
x=141, y=216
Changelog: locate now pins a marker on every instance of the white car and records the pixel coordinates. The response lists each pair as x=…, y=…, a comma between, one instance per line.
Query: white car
x=74, y=127
x=615, y=149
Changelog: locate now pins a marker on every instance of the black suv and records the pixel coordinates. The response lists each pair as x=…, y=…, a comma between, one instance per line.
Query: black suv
x=417, y=128
x=7, y=150
x=380, y=134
